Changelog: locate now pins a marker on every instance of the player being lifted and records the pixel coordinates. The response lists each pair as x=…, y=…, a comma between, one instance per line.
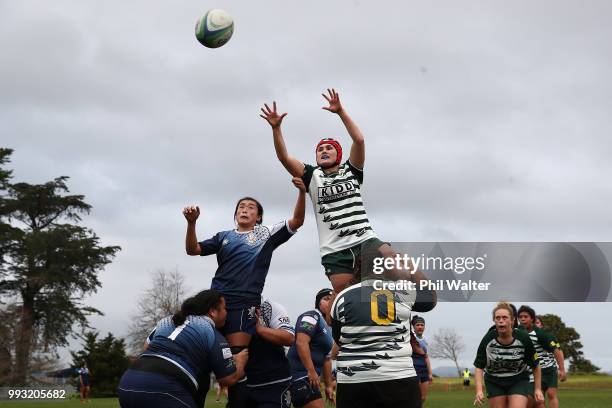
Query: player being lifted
x=334, y=187
x=243, y=256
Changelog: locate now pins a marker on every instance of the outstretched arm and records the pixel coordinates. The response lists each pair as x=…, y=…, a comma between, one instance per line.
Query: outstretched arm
x=293, y=165
x=191, y=214
x=357, y=156
x=300, y=206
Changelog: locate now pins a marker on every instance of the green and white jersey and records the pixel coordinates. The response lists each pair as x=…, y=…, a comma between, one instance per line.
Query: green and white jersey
x=372, y=328
x=505, y=361
x=336, y=198
x=545, y=344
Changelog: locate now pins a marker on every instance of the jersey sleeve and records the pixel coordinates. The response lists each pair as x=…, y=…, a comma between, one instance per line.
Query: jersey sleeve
x=531, y=357
x=149, y=338
x=220, y=357
x=307, y=176
x=279, y=233
x=356, y=171
x=280, y=318
x=308, y=323
x=481, y=354
x=547, y=340
x=210, y=246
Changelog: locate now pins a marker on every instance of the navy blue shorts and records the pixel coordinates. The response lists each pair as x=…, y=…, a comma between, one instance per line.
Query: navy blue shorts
x=143, y=389
x=270, y=396
x=422, y=374
x=302, y=392
x=240, y=320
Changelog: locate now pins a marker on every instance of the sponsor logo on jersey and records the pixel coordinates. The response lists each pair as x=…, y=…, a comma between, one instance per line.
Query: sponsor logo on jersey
x=284, y=320
x=225, y=242
x=227, y=353
x=335, y=191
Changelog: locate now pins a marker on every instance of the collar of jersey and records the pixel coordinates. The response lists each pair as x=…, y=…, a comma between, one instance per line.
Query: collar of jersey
x=244, y=232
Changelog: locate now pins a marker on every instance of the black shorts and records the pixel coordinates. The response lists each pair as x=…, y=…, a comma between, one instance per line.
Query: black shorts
x=275, y=395
x=403, y=393
x=302, y=393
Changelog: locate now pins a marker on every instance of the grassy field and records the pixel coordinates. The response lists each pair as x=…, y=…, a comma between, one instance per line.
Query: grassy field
x=577, y=392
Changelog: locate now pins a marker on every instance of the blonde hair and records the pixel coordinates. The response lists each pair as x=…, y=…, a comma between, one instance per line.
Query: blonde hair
x=505, y=306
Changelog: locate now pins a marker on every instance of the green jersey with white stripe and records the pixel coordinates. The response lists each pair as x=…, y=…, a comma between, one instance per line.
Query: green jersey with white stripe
x=506, y=360
x=342, y=221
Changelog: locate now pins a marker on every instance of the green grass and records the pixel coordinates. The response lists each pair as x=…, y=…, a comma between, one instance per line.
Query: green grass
x=578, y=392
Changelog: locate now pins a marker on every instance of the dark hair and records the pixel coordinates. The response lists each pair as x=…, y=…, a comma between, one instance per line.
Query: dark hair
x=259, y=208
x=417, y=319
x=320, y=295
x=198, y=305
x=528, y=310
x=539, y=317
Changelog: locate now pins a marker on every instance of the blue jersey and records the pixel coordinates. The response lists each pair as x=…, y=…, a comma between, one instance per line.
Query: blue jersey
x=313, y=324
x=267, y=362
x=84, y=374
x=244, y=259
x=419, y=359
x=195, y=347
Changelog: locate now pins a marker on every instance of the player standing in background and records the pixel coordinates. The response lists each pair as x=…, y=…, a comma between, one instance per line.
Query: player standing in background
x=309, y=357
x=268, y=375
x=551, y=357
x=174, y=370
x=84, y=385
x=504, y=356
x=372, y=328
x=335, y=191
x=420, y=358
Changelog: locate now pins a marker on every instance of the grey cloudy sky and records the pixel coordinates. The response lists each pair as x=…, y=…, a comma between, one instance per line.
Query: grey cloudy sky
x=484, y=121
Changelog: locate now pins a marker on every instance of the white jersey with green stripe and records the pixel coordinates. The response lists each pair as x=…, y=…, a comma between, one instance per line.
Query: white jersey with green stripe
x=372, y=328
x=342, y=221
x=506, y=360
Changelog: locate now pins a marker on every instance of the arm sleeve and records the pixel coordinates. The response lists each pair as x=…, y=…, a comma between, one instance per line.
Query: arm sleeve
x=308, y=323
x=307, y=176
x=547, y=340
x=280, y=233
x=210, y=246
x=149, y=338
x=220, y=357
x=531, y=357
x=356, y=171
x=481, y=354
x=280, y=318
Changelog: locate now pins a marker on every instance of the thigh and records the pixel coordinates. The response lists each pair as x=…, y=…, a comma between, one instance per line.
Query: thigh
x=517, y=401
x=500, y=401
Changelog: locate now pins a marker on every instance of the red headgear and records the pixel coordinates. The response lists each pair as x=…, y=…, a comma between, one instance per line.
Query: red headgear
x=336, y=145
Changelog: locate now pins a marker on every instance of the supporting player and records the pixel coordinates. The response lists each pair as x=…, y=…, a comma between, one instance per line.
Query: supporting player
x=372, y=328
x=309, y=357
x=243, y=255
x=551, y=358
x=334, y=188
x=268, y=375
x=420, y=358
x=504, y=356
x=174, y=370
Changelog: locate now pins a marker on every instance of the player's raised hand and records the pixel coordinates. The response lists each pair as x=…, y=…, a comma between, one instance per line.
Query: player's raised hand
x=333, y=98
x=191, y=213
x=299, y=184
x=272, y=116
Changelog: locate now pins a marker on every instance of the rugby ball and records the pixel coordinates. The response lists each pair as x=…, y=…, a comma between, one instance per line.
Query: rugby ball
x=214, y=28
